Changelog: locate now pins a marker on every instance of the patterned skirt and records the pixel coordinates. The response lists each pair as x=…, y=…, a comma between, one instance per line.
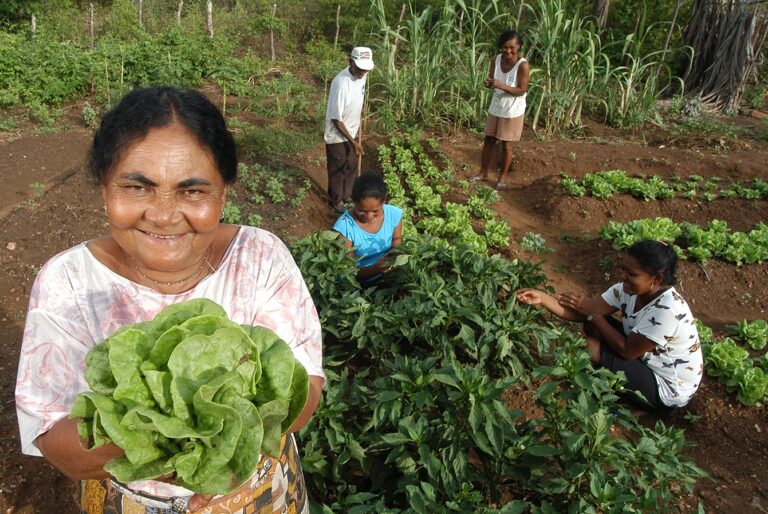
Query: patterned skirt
x=277, y=487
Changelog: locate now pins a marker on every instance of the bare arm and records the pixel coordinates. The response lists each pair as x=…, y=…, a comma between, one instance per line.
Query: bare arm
x=629, y=347
x=523, y=76
x=344, y=132
x=61, y=447
x=568, y=306
x=313, y=400
x=397, y=235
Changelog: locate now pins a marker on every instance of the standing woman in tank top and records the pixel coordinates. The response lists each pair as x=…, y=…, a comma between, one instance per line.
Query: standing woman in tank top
x=508, y=77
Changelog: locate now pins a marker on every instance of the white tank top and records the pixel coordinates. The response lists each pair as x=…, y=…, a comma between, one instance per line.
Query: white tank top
x=503, y=104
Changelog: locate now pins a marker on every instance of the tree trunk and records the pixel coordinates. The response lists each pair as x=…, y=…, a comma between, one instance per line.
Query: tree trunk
x=726, y=36
x=600, y=12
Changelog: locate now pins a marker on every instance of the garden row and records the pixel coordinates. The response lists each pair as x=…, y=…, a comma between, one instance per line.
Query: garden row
x=604, y=184
x=694, y=242
x=434, y=363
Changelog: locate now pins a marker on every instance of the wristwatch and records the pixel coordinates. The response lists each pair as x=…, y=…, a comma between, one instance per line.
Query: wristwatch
x=590, y=317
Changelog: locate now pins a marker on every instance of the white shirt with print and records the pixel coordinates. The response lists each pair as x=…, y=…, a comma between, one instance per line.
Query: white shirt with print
x=676, y=361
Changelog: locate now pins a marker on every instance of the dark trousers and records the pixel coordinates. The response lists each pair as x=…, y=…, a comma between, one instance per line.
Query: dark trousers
x=342, y=170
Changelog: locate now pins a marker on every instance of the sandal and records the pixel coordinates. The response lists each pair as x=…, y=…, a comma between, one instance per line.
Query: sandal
x=478, y=178
x=502, y=185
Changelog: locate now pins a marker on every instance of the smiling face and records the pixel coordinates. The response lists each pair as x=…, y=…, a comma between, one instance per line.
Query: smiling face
x=637, y=281
x=510, y=48
x=164, y=199
x=368, y=210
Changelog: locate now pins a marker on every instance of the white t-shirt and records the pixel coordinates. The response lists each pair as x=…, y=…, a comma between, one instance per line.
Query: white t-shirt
x=677, y=360
x=76, y=302
x=345, y=103
x=503, y=104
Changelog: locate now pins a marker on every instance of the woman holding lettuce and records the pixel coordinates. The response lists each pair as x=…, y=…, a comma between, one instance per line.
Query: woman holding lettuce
x=164, y=161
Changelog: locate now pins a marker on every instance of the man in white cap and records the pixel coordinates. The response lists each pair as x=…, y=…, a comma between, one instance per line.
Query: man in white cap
x=342, y=125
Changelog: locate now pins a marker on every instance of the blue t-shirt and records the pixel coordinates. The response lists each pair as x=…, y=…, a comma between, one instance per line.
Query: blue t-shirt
x=369, y=248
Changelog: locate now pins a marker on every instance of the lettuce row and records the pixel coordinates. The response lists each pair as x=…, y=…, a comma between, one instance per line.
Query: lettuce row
x=190, y=394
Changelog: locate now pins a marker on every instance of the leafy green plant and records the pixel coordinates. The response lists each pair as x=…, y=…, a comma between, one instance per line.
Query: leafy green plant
x=89, y=114
x=754, y=334
x=39, y=188
x=274, y=190
x=724, y=358
x=255, y=220
x=751, y=384
x=429, y=387
x=534, y=243
x=190, y=393
x=231, y=213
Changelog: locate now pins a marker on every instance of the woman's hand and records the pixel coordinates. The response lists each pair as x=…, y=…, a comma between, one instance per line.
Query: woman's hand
x=528, y=296
x=580, y=303
x=198, y=501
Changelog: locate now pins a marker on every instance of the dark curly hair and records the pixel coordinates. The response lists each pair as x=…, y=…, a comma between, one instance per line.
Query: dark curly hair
x=656, y=257
x=506, y=36
x=369, y=185
x=144, y=109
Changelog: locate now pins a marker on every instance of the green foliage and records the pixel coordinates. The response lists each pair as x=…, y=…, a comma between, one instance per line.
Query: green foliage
x=725, y=357
x=731, y=363
x=282, y=97
x=424, y=358
x=534, y=243
x=412, y=85
x=567, y=51
x=231, y=213
x=754, y=334
x=751, y=384
x=190, y=393
x=700, y=244
x=604, y=184
x=630, y=90
x=264, y=141
x=326, y=61
x=625, y=235
x=754, y=96
x=90, y=115
x=414, y=180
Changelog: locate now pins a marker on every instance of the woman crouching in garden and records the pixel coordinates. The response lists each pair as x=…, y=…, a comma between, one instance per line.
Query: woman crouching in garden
x=656, y=344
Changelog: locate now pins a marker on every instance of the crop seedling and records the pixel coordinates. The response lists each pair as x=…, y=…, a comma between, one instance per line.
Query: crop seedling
x=39, y=188
x=90, y=115
x=534, y=243
x=231, y=213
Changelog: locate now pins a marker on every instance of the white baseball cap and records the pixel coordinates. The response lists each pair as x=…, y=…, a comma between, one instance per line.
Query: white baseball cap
x=363, y=57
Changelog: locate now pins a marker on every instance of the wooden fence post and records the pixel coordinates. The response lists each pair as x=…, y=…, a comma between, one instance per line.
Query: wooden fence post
x=272, y=32
x=141, y=13
x=209, y=17
x=33, y=25
x=90, y=25
x=178, y=12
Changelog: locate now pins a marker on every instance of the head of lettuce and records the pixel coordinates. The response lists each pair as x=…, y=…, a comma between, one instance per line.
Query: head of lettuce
x=190, y=395
x=145, y=343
